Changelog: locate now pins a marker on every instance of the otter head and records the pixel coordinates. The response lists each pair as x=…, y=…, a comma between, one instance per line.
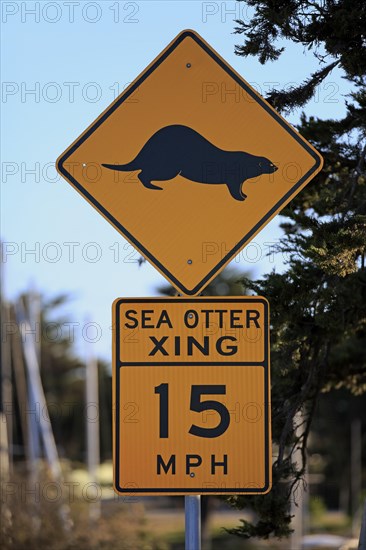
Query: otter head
x=265, y=166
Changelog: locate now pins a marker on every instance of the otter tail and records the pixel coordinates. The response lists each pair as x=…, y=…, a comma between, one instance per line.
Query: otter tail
x=122, y=167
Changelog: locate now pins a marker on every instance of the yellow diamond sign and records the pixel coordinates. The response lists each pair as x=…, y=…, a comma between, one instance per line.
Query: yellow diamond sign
x=189, y=163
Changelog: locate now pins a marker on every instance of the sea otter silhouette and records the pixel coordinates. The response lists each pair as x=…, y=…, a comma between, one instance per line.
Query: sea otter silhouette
x=179, y=150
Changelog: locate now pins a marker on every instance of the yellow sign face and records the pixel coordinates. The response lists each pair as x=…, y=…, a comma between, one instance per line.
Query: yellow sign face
x=191, y=396
x=189, y=163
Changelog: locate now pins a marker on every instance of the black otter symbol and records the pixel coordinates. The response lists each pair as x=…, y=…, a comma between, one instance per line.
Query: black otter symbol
x=179, y=150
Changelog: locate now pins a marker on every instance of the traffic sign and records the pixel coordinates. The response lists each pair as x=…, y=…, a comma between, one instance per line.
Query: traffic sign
x=189, y=163
x=191, y=396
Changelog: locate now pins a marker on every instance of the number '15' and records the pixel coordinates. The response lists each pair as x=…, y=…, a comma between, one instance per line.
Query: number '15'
x=197, y=406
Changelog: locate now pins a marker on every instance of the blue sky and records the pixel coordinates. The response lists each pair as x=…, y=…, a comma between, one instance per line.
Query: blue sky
x=76, y=56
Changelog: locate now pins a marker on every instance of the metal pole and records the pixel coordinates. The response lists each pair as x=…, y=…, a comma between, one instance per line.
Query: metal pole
x=92, y=425
x=33, y=307
x=297, y=500
x=356, y=472
x=362, y=541
x=192, y=506
x=6, y=393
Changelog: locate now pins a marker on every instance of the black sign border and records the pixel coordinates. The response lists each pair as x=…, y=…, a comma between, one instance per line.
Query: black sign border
x=132, y=490
x=62, y=160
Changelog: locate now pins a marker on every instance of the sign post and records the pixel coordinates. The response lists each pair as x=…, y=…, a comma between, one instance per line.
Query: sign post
x=189, y=163
x=192, y=505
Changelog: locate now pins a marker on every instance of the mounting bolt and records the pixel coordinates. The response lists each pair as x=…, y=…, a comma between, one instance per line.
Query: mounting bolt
x=189, y=262
x=192, y=474
x=188, y=65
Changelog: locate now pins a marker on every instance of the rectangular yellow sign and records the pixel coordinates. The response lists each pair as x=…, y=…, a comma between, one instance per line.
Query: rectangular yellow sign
x=191, y=395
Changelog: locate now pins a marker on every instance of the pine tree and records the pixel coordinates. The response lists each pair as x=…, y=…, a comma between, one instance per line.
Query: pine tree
x=318, y=305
